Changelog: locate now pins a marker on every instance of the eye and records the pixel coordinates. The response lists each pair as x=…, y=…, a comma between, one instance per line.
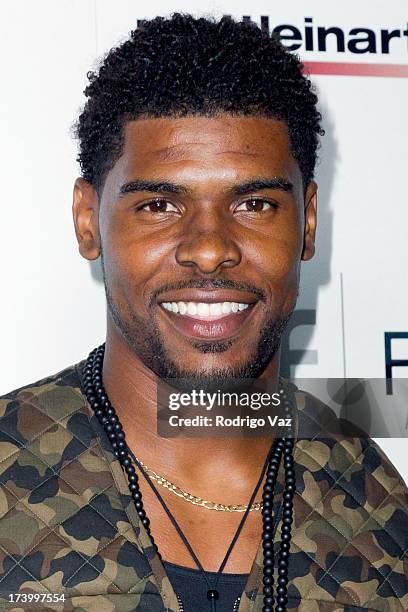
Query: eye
x=159, y=206
x=255, y=205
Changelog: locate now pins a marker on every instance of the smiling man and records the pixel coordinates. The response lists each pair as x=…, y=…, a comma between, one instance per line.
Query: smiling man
x=197, y=148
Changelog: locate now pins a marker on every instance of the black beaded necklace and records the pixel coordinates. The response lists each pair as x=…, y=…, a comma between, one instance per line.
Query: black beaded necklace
x=107, y=417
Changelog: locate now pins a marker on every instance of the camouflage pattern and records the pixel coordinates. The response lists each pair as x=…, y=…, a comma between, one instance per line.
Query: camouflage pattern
x=68, y=525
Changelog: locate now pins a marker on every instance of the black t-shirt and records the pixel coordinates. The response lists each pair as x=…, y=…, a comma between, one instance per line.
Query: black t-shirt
x=191, y=588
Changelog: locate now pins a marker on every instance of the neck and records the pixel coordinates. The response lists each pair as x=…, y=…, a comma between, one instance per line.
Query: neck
x=132, y=390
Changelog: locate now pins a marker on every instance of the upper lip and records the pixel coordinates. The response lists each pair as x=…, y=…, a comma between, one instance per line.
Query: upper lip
x=212, y=296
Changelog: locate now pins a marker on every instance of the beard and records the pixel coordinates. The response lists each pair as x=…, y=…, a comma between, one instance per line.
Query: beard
x=145, y=341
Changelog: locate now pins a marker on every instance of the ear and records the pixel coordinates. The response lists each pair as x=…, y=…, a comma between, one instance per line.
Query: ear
x=85, y=211
x=310, y=221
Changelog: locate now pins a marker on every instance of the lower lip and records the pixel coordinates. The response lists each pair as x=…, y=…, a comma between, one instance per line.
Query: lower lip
x=216, y=329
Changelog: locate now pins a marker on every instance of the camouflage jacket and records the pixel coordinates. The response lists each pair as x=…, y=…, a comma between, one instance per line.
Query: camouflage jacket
x=69, y=529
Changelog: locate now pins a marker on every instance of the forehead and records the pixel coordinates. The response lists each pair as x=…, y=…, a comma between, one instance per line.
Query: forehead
x=201, y=149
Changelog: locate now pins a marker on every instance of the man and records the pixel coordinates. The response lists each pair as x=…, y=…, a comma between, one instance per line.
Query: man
x=197, y=148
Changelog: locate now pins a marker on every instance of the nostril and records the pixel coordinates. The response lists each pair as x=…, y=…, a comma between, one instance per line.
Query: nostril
x=208, y=252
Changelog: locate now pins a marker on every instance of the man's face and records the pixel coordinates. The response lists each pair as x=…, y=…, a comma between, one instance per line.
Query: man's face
x=203, y=223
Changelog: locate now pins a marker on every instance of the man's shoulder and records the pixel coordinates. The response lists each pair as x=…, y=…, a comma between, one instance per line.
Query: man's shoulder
x=357, y=465
x=52, y=394
x=47, y=414
x=343, y=451
x=351, y=517
x=67, y=377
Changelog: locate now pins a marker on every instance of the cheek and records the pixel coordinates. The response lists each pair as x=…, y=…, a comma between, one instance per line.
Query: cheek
x=130, y=241
x=133, y=261
x=284, y=282
x=276, y=258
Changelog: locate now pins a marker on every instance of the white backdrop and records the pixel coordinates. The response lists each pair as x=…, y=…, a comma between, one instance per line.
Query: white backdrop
x=52, y=310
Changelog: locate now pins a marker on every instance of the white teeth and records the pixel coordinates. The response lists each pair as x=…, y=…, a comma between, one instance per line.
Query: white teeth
x=204, y=309
x=182, y=306
x=191, y=308
x=215, y=309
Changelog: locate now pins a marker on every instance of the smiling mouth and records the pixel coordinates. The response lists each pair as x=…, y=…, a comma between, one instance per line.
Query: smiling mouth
x=208, y=320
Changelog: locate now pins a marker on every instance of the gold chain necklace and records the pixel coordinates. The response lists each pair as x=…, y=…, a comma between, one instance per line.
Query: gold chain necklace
x=197, y=501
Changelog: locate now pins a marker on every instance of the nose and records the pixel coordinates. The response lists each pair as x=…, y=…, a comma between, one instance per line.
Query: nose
x=208, y=250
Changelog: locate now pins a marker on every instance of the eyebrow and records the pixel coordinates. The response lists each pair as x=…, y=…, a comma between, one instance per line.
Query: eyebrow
x=153, y=186
x=256, y=184
x=277, y=182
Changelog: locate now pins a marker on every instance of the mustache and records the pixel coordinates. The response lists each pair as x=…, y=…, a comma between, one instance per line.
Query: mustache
x=205, y=283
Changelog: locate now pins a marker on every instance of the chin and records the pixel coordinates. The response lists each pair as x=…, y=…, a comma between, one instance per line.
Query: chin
x=214, y=359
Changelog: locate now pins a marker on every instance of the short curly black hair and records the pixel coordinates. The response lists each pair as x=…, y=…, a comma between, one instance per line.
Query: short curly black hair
x=182, y=66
